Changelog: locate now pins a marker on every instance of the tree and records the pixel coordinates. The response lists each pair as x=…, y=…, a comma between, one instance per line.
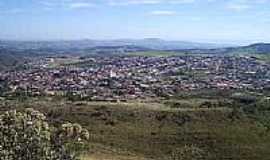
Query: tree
x=27, y=136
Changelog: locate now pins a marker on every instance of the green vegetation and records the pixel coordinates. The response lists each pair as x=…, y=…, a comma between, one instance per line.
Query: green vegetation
x=224, y=126
x=169, y=53
x=264, y=57
x=27, y=136
x=190, y=125
x=187, y=152
x=156, y=53
x=10, y=61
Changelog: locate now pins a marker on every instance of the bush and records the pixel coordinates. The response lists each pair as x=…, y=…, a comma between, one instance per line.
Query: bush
x=27, y=136
x=244, y=98
x=188, y=153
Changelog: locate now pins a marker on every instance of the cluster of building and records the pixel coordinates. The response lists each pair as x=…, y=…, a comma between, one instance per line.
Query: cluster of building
x=122, y=78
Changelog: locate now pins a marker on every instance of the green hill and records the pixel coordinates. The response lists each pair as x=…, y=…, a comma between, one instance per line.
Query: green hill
x=9, y=60
x=253, y=49
x=258, y=48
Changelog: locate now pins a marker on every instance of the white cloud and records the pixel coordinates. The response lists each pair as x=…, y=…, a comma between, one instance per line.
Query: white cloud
x=261, y=1
x=180, y=1
x=147, y=2
x=47, y=3
x=241, y=5
x=238, y=7
x=69, y=4
x=163, y=13
x=130, y=2
x=80, y=5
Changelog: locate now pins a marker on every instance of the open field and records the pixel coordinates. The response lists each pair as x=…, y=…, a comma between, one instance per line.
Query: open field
x=156, y=53
x=155, y=130
x=263, y=57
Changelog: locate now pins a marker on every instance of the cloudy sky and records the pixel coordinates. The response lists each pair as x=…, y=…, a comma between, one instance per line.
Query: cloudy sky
x=224, y=21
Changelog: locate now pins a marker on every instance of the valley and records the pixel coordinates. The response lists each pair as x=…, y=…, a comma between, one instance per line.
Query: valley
x=151, y=104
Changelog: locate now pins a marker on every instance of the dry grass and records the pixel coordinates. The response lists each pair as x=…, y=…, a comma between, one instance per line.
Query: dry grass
x=110, y=157
x=141, y=131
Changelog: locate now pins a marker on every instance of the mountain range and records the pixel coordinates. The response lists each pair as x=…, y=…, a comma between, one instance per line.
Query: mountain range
x=150, y=43
x=13, y=53
x=257, y=48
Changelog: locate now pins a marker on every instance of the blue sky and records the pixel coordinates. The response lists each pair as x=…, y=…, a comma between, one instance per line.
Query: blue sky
x=221, y=21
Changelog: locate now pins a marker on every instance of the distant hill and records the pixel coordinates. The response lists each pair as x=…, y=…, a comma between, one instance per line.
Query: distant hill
x=9, y=60
x=12, y=53
x=258, y=48
x=150, y=43
x=112, y=50
x=159, y=44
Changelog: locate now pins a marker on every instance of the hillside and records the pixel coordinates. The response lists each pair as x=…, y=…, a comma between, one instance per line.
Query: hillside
x=9, y=60
x=253, y=49
x=223, y=126
x=151, y=43
x=11, y=57
x=12, y=52
x=258, y=48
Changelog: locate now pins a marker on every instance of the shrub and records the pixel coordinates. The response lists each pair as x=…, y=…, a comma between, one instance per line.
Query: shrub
x=188, y=153
x=27, y=136
x=244, y=98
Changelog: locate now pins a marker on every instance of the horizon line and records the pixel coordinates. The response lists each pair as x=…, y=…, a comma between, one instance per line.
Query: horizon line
x=217, y=42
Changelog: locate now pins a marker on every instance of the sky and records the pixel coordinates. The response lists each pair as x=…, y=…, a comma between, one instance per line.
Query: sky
x=219, y=21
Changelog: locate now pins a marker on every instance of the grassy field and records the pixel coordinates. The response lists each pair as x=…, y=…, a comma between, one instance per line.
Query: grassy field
x=155, y=130
x=57, y=62
x=263, y=57
x=156, y=54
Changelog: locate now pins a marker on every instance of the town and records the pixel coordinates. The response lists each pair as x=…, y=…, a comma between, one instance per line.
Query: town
x=137, y=77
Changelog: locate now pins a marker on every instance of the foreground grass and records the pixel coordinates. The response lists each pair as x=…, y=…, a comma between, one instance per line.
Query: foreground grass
x=153, y=130
x=110, y=157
